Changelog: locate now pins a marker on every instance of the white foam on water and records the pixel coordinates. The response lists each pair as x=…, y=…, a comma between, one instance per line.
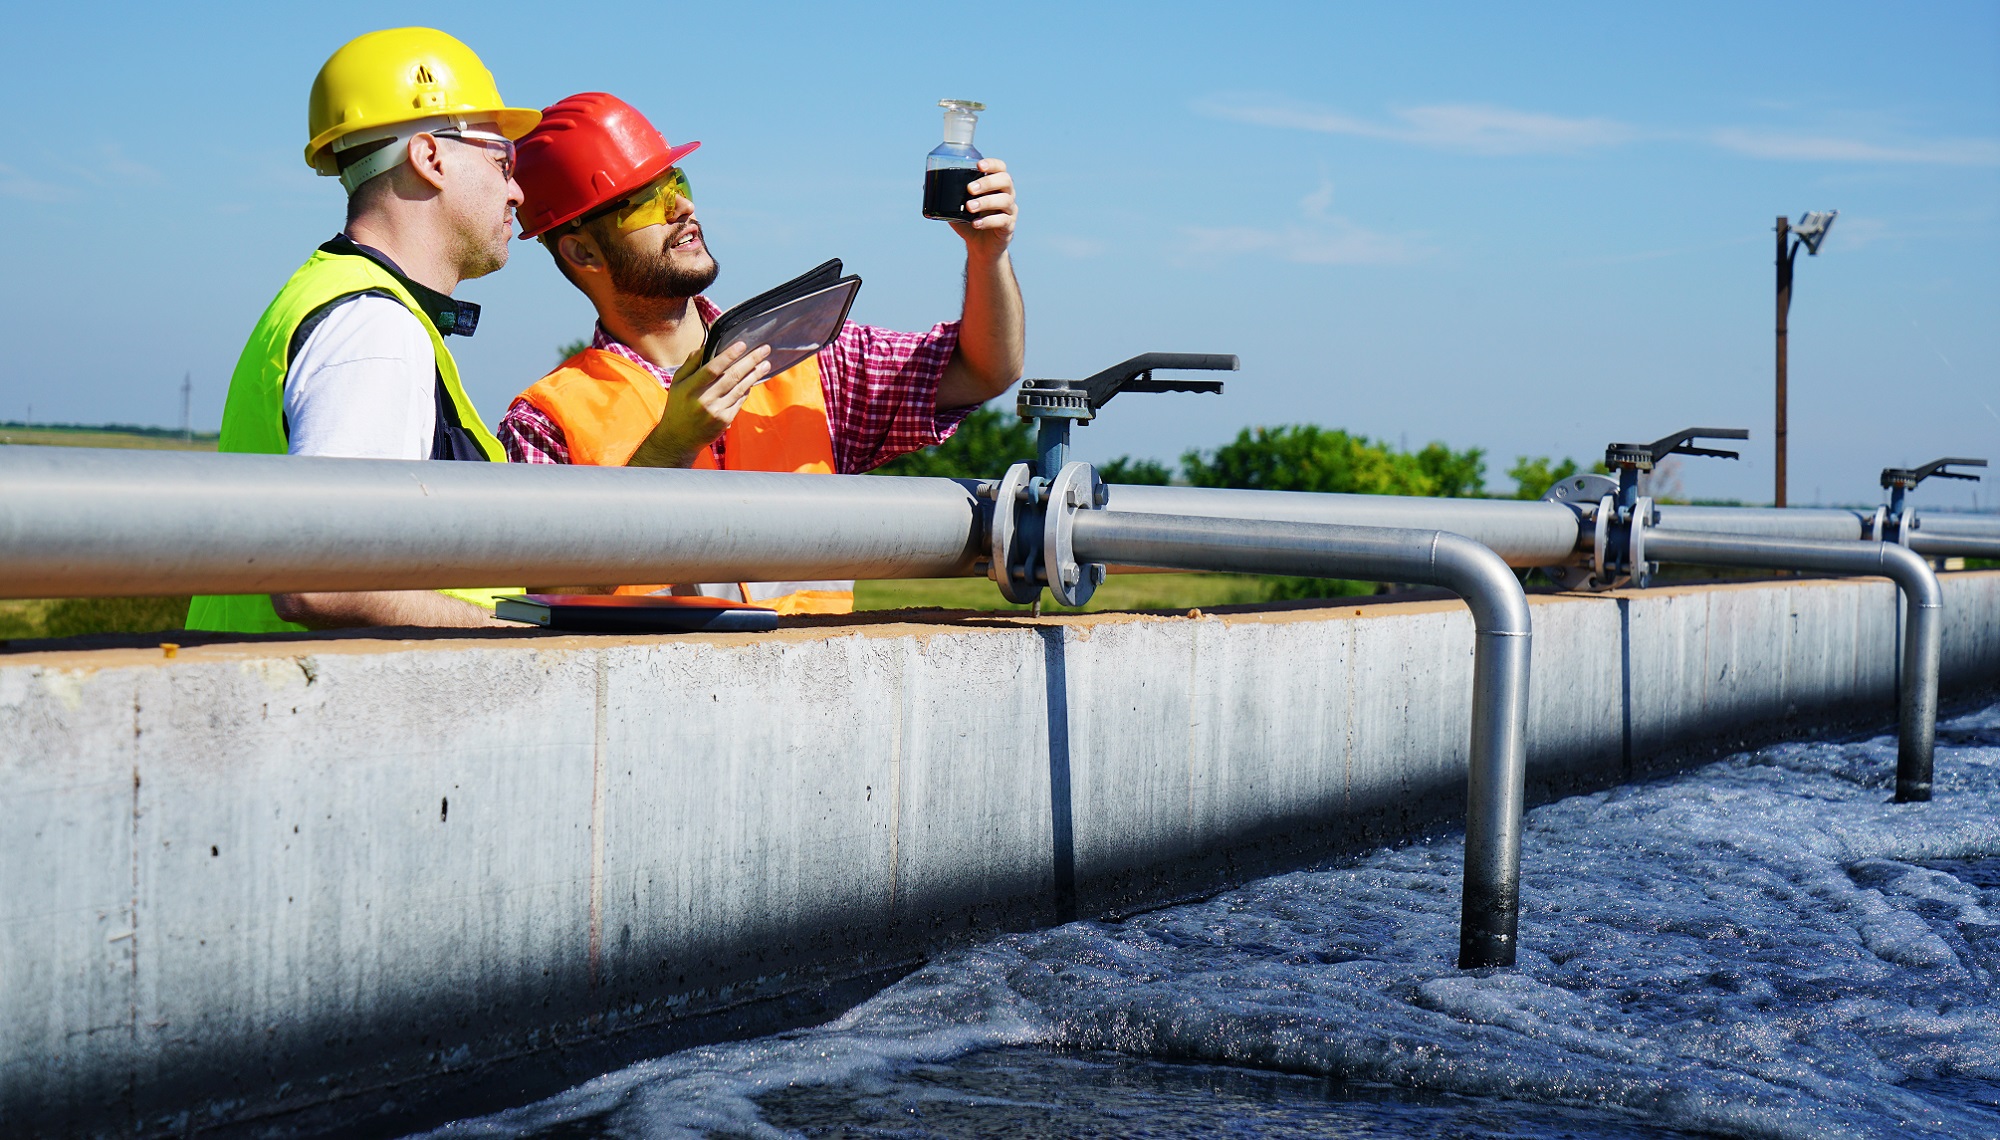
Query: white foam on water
x=1755, y=948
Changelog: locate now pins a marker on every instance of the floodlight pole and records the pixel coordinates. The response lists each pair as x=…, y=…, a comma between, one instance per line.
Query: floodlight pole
x=1807, y=234
x=1787, y=252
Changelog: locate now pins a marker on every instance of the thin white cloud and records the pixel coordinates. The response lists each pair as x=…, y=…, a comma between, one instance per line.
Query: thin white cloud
x=16, y=184
x=1788, y=146
x=1856, y=231
x=1339, y=245
x=1478, y=128
x=1070, y=245
x=113, y=161
x=1468, y=127
x=104, y=165
x=1321, y=237
x=107, y=165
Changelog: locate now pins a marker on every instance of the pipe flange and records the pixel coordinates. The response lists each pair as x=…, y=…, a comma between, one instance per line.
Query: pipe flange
x=1600, y=543
x=1011, y=563
x=1075, y=488
x=1638, y=571
x=1878, y=526
x=1581, y=489
x=1595, y=500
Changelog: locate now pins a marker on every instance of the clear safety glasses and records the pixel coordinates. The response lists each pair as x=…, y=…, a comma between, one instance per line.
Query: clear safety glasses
x=484, y=139
x=654, y=206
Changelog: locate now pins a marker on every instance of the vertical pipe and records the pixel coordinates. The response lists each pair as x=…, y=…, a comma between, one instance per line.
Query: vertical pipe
x=1923, y=621
x=1923, y=652
x=1051, y=445
x=1496, y=770
x=1784, y=308
x=1490, y=906
x=1497, y=767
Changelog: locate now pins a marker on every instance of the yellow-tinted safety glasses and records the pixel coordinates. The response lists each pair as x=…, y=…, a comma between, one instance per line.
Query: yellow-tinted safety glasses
x=653, y=206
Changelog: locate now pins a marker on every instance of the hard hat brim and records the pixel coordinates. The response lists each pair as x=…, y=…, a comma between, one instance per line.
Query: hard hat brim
x=644, y=174
x=514, y=122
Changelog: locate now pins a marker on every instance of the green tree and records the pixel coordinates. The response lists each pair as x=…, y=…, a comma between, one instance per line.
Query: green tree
x=1454, y=474
x=565, y=351
x=985, y=445
x=1145, y=472
x=1307, y=457
x=1534, y=475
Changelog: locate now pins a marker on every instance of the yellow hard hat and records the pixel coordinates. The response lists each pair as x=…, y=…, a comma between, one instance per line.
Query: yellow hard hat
x=399, y=76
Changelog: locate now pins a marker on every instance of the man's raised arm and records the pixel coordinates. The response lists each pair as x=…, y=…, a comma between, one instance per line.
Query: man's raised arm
x=993, y=337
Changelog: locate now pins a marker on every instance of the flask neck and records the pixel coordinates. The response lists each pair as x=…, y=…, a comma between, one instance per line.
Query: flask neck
x=958, y=126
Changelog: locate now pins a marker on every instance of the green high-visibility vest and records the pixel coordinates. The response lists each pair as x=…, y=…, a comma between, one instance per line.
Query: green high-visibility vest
x=253, y=418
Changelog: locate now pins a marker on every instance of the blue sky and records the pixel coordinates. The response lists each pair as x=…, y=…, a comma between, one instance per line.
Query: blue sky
x=1528, y=228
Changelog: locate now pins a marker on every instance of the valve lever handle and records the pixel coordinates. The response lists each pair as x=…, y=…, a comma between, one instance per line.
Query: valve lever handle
x=1681, y=442
x=1641, y=456
x=1136, y=374
x=1909, y=477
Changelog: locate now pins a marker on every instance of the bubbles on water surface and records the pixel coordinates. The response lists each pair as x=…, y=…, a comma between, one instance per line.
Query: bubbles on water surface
x=1005, y=1093
x=1763, y=947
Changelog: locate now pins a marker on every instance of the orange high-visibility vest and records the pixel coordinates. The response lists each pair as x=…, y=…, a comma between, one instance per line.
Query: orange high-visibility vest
x=607, y=405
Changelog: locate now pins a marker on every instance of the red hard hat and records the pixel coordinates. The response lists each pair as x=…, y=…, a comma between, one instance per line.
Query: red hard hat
x=590, y=149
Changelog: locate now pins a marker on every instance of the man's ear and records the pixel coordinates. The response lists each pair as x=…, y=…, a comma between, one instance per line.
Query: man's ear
x=427, y=160
x=579, y=252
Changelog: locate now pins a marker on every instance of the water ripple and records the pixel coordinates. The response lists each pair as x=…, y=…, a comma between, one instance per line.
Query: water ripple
x=1764, y=947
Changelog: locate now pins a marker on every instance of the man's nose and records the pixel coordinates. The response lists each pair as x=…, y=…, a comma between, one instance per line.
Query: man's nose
x=683, y=209
x=514, y=195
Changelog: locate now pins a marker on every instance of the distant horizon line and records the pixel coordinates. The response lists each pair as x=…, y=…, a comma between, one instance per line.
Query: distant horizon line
x=125, y=429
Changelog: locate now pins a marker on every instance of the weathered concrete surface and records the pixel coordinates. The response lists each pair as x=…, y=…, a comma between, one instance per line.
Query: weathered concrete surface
x=307, y=883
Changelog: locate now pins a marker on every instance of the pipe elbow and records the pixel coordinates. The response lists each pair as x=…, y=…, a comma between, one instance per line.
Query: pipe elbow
x=1483, y=578
x=1913, y=574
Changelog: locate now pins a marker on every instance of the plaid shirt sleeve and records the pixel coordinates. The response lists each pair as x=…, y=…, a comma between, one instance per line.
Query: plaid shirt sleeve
x=530, y=436
x=881, y=393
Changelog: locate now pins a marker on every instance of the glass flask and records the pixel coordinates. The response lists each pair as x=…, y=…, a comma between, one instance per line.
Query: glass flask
x=954, y=165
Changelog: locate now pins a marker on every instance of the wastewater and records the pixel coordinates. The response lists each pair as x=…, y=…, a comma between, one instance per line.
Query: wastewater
x=1762, y=947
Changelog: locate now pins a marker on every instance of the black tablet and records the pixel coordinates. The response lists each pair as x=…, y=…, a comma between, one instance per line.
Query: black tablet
x=636, y=613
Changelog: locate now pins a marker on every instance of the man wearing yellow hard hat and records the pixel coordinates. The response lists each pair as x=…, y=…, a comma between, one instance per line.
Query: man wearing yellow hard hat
x=350, y=359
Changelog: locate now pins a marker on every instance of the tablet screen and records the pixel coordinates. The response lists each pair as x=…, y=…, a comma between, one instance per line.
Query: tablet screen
x=799, y=328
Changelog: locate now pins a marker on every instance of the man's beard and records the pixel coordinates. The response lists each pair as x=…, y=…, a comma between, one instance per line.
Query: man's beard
x=482, y=246
x=654, y=275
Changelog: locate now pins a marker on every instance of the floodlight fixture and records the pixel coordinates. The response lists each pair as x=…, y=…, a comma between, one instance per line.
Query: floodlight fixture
x=1812, y=229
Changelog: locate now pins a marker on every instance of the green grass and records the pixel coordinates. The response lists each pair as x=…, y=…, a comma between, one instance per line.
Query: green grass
x=1119, y=592
x=74, y=617
x=101, y=437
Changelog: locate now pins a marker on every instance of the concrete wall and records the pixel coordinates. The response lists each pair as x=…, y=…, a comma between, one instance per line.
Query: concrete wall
x=284, y=885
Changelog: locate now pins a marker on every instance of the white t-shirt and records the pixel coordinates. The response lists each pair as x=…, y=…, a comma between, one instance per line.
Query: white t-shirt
x=364, y=384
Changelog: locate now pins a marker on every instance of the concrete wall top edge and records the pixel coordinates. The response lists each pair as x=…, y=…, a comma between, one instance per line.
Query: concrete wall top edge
x=194, y=647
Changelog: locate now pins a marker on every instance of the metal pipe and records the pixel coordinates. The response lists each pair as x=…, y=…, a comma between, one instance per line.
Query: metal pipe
x=1536, y=533
x=1953, y=546
x=1521, y=532
x=76, y=522
x=1832, y=525
x=1497, y=768
x=1941, y=525
x=1975, y=536
x=1923, y=622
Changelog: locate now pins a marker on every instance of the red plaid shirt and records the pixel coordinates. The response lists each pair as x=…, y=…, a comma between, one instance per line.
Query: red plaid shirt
x=881, y=396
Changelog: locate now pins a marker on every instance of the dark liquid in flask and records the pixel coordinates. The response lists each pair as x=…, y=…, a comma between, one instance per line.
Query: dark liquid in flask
x=944, y=193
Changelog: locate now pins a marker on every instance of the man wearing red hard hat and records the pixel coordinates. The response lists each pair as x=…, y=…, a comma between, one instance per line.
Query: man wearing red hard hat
x=603, y=191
